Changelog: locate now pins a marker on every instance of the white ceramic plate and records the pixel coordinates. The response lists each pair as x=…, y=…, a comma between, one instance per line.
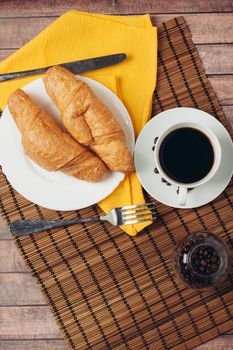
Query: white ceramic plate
x=55, y=190
x=145, y=163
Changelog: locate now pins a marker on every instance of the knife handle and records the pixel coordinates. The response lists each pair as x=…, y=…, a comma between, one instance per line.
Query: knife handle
x=9, y=76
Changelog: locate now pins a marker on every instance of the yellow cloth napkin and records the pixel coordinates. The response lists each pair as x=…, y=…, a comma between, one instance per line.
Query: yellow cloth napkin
x=78, y=35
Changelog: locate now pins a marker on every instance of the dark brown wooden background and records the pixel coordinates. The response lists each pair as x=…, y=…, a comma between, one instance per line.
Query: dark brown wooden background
x=25, y=321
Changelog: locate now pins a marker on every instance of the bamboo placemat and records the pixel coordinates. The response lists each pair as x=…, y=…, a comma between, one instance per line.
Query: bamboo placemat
x=111, y=291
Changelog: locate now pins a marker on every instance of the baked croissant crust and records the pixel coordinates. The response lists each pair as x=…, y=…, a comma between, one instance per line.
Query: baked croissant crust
x=47, y=145
x=87, y=119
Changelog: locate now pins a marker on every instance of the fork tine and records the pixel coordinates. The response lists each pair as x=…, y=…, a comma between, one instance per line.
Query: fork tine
x=127, y=212
x=126, y=217
x=130, y=222
x=137, y=205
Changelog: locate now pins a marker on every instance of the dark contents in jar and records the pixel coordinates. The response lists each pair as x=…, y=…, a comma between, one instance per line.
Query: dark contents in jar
x=201, y=260
x=205, y=260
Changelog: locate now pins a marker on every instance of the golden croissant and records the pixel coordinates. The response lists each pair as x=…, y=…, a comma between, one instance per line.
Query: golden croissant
x=87, y=119
x=46, y=144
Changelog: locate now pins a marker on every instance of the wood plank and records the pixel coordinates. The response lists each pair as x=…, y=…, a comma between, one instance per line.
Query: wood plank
x=4, y=231
x=57, y=7
x=19, y=289
x=223, y=342
x=37, y=323
x=52, y=344
x=18, y=31
x=228, y=111
x=205, y=28
x=217, y=59
x=27, y=323
x=223, y=87
x=6, y=53
x=10, y=259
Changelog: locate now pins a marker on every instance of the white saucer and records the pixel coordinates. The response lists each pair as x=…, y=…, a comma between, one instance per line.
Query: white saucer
x=145, y=164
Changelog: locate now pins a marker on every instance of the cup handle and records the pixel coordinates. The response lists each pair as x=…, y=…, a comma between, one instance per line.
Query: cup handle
x=182, y=196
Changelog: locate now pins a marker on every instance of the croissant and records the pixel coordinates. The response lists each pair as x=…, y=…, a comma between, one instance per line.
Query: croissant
x=47, y=145
x=87, y=119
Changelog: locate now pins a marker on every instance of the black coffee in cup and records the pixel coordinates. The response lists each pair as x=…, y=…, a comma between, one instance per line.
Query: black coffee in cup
x=186, y=155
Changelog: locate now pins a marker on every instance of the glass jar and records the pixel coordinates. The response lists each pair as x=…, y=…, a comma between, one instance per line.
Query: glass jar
x=202, y=260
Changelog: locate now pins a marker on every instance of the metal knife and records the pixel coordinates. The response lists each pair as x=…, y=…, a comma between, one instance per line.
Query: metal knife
x=75, y=67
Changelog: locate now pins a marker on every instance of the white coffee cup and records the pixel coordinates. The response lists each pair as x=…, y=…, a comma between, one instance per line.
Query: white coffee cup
x=182, y=193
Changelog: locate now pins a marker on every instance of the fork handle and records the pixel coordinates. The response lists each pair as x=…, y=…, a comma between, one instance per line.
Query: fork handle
x=26, y=227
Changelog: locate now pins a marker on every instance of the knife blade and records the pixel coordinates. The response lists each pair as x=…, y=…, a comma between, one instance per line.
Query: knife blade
x=75, y=67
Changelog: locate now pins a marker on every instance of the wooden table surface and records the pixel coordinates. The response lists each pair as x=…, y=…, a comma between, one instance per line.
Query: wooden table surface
x=25, y=320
